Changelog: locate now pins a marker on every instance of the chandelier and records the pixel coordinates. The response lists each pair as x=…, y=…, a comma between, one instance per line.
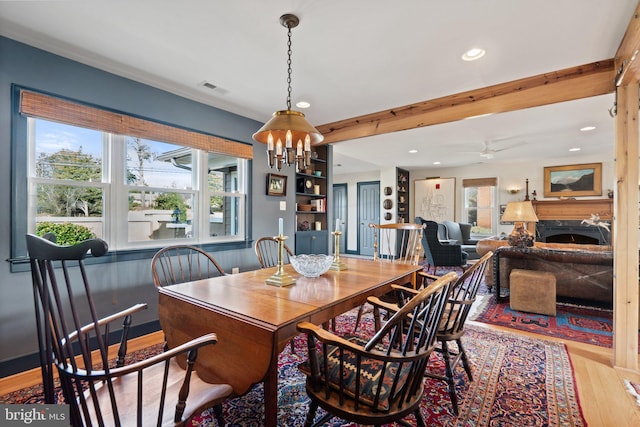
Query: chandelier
x=288, y=126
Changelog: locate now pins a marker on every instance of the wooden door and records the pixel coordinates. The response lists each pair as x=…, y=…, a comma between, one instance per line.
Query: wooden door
x=340, y=211
x=368, y=212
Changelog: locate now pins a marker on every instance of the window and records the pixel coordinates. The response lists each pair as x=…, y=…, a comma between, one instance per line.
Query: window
x=479, y=205
x=130, y=189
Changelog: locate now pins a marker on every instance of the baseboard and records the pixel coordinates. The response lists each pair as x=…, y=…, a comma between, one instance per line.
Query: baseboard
x=33, y=377
x=31, y=361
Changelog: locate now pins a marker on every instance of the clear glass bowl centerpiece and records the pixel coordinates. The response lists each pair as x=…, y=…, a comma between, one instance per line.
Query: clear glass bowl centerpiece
x=312, y=265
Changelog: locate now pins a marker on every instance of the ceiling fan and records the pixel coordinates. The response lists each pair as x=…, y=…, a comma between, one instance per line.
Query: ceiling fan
x=488, y=151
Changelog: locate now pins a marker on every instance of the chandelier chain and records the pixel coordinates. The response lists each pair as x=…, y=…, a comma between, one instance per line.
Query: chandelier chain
x=285, y=125
x=289, y=68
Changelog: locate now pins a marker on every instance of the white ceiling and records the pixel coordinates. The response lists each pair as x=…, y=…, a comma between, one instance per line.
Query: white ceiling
x=351, y=58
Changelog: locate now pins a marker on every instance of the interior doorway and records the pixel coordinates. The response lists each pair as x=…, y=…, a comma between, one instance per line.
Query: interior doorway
x=368, y=212
x=340, y=212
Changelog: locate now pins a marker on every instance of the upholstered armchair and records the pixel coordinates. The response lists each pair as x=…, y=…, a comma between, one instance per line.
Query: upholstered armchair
x=437, y=253
x=461, y=233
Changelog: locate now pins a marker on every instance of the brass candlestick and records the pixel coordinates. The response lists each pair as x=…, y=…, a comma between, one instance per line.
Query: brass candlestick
x=337, y=264
x=280, y=277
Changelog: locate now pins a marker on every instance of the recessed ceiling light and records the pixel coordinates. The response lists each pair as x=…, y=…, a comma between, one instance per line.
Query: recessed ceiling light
x=436, y=163
x=413, y=151
x=587, y=128
x=303, y=104
x=473, y=54
x=575, y=149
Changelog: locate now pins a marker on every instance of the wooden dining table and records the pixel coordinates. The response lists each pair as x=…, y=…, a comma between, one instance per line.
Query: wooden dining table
x=254, y=321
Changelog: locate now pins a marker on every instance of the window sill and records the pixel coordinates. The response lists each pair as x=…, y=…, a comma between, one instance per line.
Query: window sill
x=21, y=264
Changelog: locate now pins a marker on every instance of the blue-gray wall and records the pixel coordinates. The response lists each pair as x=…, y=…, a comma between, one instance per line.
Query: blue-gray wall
x=124, y=283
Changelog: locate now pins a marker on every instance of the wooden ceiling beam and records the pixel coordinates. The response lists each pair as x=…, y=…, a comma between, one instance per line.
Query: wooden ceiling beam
x=627, y=62
x=578, y=82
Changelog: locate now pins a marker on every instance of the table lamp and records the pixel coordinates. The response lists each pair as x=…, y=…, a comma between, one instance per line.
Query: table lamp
x=519, y=213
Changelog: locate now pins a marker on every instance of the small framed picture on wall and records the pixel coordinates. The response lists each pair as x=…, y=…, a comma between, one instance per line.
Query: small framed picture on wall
x=276, y=185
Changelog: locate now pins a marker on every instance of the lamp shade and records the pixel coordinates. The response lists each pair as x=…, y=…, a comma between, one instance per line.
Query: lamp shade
x=285, y=120
x=519, y=212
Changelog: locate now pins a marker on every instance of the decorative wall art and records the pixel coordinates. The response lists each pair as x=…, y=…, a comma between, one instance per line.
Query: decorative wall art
x=573, y=180
x=435, y=199
x=276, y=185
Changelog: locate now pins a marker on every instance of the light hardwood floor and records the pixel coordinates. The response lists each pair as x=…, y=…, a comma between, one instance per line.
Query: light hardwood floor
x=603, y=397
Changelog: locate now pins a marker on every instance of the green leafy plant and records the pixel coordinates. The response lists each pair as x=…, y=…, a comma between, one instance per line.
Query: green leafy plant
x=172, y=201
x=66, y=233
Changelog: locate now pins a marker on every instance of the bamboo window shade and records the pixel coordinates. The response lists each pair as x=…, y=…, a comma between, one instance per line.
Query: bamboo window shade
x=480, y=182
x=47, y=107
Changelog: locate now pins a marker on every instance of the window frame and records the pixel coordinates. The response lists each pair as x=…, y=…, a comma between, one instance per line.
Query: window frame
x=20, y=181
x=492, y=183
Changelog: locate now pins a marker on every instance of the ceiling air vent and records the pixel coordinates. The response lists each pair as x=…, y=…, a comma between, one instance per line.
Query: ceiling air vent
x=213, y=87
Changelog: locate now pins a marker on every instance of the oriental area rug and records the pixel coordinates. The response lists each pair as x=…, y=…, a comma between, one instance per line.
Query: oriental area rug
x=517, y=381
x=575, y=323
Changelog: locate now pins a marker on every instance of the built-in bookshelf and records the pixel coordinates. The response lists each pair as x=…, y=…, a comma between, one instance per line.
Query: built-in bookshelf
x=402, y=191
x=311, y=205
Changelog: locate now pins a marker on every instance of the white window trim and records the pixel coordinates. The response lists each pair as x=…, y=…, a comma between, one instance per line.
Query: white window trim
x=494, y=210
x=116, y=190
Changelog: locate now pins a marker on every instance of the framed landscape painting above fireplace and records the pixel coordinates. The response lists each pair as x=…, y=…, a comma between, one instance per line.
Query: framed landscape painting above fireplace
x=573, y=180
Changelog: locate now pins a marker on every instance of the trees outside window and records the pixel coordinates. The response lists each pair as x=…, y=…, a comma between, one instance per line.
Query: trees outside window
x=129, y=190
x=66, y=200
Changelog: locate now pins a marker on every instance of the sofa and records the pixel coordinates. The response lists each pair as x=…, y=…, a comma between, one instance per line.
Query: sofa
x=584, y=273
x=461, y=233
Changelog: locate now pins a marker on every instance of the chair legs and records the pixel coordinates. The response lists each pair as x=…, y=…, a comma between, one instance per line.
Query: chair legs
x=313, y=408
x=449, y=373
x=358, y=317
x=465, y=360
x=217, y=411
x=451, y=360
x=376, y=318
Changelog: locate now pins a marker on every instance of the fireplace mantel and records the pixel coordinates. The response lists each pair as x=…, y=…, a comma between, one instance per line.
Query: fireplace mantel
x=573, y=209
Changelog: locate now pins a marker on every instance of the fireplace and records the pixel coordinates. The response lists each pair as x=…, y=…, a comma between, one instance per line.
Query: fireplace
x=568, y=231
x=565, y=221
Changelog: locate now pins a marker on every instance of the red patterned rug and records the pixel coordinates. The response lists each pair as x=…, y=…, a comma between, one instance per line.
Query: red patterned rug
x=517, y=381
x=582, y=324
x=633, y=389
